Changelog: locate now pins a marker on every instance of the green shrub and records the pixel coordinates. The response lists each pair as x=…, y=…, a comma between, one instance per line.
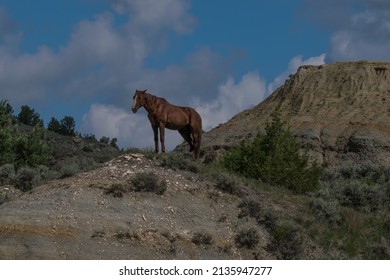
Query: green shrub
x=7, y=174
x=228, y=184
x=377, y=252
x=328, y=210
x=361, y=196
x=69, y=168
x=247, y=238
x=46, y=174
x=269, y=220
x=285, y=242
x=26, y=178
x=116, y=190
x=249, y=207
x=8, y=138
x=36, y=150
x=148, y=182
x=5, y=113
x=369, y=172
x=276, y=159
x=21, y=149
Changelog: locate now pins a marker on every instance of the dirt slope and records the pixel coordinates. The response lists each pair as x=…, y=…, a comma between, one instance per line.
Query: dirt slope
x=80, y=218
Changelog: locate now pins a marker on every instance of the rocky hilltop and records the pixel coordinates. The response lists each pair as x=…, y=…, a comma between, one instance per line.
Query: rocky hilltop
x=98, y=215
x=339, y=112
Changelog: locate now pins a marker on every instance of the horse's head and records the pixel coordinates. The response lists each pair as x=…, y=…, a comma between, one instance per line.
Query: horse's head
x=139, y=100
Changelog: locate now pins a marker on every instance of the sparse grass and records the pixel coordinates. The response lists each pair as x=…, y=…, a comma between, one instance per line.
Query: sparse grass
x=181, y=161
x=98, y=234
x=130, y=236
x=147, y=152
x=228, y=183
x=202, y=238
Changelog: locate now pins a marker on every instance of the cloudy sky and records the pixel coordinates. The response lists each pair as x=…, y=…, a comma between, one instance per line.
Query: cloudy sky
x=85, y=58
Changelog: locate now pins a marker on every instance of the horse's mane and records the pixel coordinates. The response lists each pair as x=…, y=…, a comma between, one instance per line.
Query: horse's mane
x=153, y=97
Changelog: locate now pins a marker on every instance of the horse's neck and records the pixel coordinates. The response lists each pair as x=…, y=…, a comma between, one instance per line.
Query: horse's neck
x=151, y=103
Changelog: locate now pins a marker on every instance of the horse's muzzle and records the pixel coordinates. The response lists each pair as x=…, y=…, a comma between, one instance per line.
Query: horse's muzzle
x=134, y=109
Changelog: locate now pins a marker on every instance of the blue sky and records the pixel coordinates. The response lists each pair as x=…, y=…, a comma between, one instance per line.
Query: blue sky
x=85, y=58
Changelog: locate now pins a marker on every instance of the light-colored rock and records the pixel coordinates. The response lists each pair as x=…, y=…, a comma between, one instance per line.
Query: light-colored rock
x=339, y=112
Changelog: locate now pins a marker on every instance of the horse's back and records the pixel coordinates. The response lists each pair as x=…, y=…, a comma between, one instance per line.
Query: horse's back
x=195, y=120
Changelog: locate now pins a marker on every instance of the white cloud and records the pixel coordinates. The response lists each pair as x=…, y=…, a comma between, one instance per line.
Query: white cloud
x=113, y=122
x=293, y=66
x=360, y=30
x=366, y=37
x=102, y=58
x=161, y=14
x=232, y=98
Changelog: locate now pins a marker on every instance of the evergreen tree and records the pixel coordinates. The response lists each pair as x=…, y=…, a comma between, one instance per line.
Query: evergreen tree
x=276, y=159
x=68, y=126
x=54, y=125
x=5, y=113
x=21, y=149
x=7, y=134
x=28, y=116
x=104, y=140
x=114, y=142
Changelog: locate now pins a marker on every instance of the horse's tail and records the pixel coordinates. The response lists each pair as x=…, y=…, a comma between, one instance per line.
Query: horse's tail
x=196, y=129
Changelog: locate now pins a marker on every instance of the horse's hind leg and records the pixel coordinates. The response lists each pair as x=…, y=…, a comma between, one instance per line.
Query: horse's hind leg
x=162, y=139
x=197, y=136
x=186, y=134
x=155, y=132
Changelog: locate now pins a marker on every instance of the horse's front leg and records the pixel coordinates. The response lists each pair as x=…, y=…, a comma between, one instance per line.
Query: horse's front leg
x=162, y=138
x=155, y=132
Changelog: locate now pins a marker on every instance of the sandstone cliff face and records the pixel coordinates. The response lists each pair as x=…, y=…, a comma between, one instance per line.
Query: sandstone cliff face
x=339, y=112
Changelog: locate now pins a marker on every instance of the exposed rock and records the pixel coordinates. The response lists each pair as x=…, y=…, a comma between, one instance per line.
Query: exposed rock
x=339, y=112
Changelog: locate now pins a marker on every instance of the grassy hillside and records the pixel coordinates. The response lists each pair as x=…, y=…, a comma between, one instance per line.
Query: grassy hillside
x=342, y=211
x=31, y=154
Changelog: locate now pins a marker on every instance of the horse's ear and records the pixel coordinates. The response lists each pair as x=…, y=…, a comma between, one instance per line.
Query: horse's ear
x=144, y=91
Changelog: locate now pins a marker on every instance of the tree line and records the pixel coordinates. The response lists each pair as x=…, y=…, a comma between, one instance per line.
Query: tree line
x=28, y=116
x=25, y=147
x=65, y=126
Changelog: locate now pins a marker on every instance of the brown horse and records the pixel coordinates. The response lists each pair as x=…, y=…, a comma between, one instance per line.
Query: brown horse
x=163, y=114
